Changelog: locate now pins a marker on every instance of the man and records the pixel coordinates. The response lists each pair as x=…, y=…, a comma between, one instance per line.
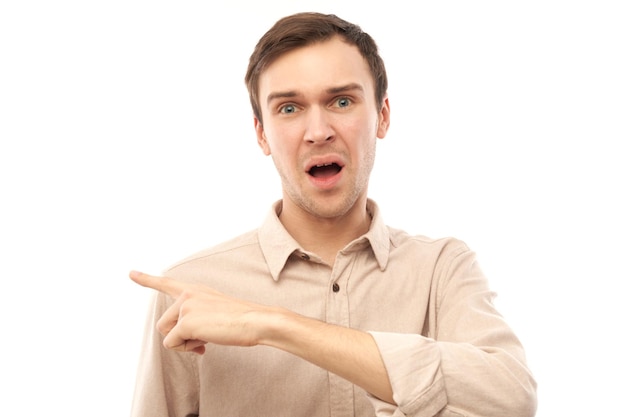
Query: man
x=324, y=310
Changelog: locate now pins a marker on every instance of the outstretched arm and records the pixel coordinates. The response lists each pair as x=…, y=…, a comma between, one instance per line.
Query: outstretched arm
x=201, y=315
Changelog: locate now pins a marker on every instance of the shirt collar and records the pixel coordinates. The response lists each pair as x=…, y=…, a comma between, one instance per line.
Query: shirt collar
x=278, y=245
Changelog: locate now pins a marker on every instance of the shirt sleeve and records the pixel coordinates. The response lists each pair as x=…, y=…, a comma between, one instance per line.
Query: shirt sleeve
x=470, y=363
x=167, y=381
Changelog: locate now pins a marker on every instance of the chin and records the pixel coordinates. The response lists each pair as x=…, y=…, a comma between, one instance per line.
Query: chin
x=331, y=208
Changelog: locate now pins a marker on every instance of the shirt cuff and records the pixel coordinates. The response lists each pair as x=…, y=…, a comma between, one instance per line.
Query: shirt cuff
x=413, y=363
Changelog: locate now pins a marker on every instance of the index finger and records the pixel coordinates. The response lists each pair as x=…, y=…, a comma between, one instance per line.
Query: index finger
x=165, y=285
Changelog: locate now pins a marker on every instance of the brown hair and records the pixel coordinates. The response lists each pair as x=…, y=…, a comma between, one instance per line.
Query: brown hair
x=302, y=29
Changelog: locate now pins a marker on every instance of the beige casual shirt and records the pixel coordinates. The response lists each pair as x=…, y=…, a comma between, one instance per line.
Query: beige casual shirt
x=427, y=304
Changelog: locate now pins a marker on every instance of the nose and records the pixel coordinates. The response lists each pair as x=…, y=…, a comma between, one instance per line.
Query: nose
x=318, y=127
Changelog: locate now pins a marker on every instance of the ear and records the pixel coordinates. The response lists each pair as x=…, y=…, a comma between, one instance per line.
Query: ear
x=384, y=119
x=260, y=137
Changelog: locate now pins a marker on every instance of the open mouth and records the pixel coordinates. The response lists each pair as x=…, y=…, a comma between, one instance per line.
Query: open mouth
x=324, y=170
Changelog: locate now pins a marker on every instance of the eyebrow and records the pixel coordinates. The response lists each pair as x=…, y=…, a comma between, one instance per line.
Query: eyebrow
x=332, y=90
x=343, y=88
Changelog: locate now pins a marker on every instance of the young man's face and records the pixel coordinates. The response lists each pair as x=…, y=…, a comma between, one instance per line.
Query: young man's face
x=320, y=124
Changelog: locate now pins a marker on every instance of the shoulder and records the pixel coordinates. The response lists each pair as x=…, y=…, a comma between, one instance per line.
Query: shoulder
x=231, y=251
x=438, y=260
x=450, y=245
x=432, y=256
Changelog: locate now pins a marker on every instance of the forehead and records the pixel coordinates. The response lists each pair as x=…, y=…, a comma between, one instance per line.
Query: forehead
x=319, y=66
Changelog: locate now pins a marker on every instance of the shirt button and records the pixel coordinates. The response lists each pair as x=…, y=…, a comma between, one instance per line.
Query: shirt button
x=305, y=256
x=335, y=287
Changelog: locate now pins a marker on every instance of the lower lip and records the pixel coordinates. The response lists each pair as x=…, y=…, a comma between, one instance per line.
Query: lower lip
x=325, y=183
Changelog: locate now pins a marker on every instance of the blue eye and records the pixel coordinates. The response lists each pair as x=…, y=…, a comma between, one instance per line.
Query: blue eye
x=290, y=108
x=343, y=102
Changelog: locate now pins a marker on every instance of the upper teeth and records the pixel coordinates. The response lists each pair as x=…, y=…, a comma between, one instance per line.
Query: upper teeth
x=324, y=165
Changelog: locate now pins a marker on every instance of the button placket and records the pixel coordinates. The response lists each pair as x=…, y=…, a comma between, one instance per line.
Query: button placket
x=338, y=312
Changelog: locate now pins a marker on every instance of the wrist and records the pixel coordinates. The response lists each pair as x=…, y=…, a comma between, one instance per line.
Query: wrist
x=275, y=326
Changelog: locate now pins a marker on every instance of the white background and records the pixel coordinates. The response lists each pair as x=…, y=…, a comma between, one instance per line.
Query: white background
x=127, y=143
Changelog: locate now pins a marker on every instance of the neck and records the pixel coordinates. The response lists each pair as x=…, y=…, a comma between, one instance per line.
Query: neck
x=325, y=236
